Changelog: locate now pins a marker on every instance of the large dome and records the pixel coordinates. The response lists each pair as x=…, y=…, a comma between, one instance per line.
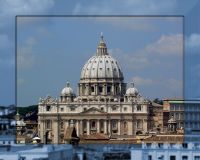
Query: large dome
x=102, y=65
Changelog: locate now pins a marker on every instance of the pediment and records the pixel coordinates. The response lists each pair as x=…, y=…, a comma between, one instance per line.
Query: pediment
x=93, y=110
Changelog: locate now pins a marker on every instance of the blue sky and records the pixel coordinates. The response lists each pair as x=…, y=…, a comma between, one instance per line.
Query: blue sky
x=52, y=51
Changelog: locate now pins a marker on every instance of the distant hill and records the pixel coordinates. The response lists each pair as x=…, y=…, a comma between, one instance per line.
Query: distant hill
x=29, y=113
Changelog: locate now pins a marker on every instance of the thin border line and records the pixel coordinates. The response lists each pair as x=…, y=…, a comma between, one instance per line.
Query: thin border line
x=102, y=16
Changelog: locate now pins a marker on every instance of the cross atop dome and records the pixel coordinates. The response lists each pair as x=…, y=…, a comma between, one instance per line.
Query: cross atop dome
x=67, y=84
x=102, y=36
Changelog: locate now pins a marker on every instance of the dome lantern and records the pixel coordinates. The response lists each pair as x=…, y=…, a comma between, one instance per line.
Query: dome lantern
x=101, y=49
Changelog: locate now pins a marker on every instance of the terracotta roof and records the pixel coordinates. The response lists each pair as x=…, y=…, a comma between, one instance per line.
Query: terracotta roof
x=156, y=104
x=96, y=136
x=165, y=138
x=109, y=141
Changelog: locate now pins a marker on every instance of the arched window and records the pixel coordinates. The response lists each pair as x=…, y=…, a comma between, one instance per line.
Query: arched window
x=92, y=88
x=114, y=124
x=139, y=124
x=100, y=89
x=108, y=89
x=125, y=125
x=93, y=124
x=48, y=108
x=84, y=125
x=139, y=108
x=101, y=126
x=48, y=124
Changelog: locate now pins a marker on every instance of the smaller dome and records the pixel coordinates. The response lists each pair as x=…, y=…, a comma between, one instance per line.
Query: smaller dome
x=132, y=91
x=67, y=90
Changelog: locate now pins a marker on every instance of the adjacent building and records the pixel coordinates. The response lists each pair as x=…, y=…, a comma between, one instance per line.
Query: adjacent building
x=166, y=151
x=37, y=152
x=186, y=113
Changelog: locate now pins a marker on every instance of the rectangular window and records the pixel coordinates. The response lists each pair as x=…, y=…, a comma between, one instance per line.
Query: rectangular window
x=100, y=89
x=139, y=108
x=92, y=89
x=48, y=124
x=72, y=109
x=185, y=158
x=114, y=125
x=108, y=89
x=172, y=157
x=61, y=109
x=196, y=157
x=48, y=108
x=114, y=108
x=149, y=157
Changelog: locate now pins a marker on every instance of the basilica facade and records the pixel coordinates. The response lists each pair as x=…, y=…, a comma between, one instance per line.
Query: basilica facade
x=103, y=104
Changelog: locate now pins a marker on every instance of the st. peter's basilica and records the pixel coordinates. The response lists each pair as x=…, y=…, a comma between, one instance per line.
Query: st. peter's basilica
x=103, y=104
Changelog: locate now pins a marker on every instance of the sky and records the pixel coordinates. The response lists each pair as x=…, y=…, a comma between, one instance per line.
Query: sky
x=51, y=51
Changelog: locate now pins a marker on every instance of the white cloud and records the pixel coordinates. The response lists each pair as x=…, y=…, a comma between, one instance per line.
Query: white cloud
x=193, y=41
x=167, y=45
x=130, y=61
x=20, y=81
x=165, y=87
x=174, y=84
x=4, y=41
x=131, y=23
x=139, y=81
x=7, y=62
x=17, y=7
x=10, y=8
x=25, y=56
x=135, y=7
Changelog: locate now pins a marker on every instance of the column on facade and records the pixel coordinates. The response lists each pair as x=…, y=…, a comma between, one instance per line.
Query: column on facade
x=105, y=127
x=119, y=127
x=80, y=89
x=55, y=132
x=41, y=131
x=87, y=89
x=88, y=127
x=7, y=126
x=104, y=89
x=81, y=127
x=109, y=127
x=120, y=88
x=66, y=124
x=145, y=125
x=133, y=129
x=98, y=126
x=2, y=126
x=77, y=127
x=113, y=89
x=96, y=89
